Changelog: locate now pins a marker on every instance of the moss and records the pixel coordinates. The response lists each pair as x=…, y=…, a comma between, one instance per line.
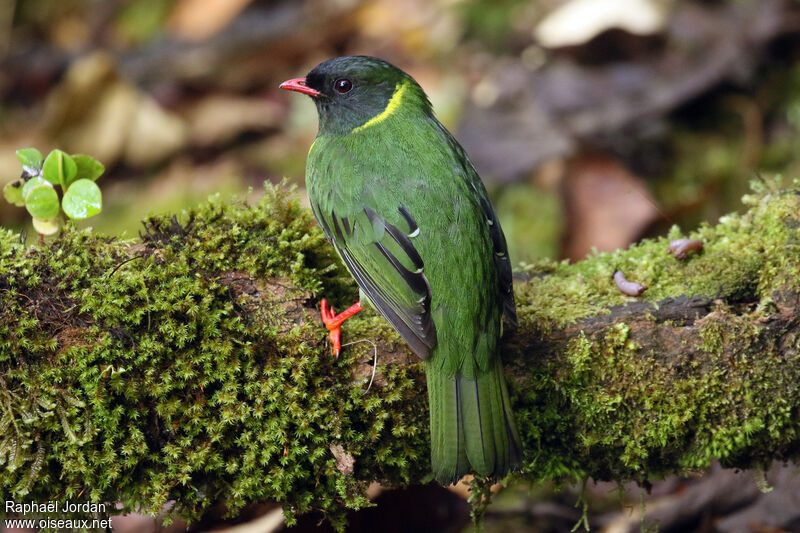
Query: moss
x=742, y=259
x=618, y=411
x=165, y=387
x=191, y=365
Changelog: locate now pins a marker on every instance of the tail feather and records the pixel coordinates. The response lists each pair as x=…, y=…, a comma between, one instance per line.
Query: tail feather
x=472, y=426
x=514, y=442
x=448, y=453
x=460, y=451
x=500, y=426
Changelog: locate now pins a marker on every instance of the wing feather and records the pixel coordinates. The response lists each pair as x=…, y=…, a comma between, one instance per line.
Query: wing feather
x=376, y=253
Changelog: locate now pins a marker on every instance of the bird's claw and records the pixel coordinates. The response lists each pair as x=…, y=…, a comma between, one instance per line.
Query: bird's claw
x=333, y=322
x=335, y=327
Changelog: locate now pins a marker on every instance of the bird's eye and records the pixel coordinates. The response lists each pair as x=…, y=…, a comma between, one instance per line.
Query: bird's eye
x=343, y=85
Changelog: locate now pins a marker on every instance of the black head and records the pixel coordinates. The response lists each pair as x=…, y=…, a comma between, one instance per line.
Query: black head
x=349, y=91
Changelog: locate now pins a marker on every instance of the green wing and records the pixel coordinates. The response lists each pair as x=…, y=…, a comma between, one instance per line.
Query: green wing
x=502, y=260
x=387, y=267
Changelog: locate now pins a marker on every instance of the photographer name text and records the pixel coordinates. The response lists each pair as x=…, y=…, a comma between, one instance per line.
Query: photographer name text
x=52, y=507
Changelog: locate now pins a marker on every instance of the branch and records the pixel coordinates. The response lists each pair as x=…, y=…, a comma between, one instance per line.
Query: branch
x=191, y=366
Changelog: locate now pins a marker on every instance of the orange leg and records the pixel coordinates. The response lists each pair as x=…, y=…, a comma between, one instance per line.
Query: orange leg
x=334, y=322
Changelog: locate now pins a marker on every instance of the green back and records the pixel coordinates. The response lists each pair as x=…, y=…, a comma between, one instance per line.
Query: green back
x=408, y=160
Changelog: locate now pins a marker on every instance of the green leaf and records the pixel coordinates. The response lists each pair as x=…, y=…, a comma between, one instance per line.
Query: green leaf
x=59, y=168
x=45, y=226
x=13, y=193
x=31, y=183
x=88, y=167
x=83, y=199
x=42, y=201
x=30, y=157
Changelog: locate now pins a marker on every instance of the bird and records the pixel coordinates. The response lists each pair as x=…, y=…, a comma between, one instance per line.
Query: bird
x=403, y=205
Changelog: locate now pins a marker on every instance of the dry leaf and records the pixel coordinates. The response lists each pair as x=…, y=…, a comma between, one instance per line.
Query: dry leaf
x=217, y=119
x=607, y=206
x=195, y=20
x=578, y=21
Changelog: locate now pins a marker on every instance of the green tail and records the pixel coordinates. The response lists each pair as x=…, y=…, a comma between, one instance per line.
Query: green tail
x=472, y=426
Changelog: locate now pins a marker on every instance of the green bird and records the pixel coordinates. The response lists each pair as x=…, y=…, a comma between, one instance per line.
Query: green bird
x=400, y=200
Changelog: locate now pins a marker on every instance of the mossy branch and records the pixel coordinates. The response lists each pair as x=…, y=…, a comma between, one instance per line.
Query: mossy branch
x=191, y=365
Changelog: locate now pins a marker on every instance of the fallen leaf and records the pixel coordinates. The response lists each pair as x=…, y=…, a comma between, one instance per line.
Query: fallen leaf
x=578, y=21
x=154, y=134
x=217, y=119
x=195, y=20
x=607, y=206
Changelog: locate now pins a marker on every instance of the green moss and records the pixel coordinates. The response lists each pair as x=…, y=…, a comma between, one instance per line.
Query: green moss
x=617, y=411
x=191, y=366
x=743, y=259
x=164, y=386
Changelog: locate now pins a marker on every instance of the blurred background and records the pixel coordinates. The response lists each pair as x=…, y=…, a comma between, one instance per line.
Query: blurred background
x=594, y=123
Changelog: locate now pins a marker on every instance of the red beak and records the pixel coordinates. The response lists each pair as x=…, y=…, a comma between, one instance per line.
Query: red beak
x=299, y=85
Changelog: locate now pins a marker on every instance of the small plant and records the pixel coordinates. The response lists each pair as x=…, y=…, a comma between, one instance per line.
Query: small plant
x=36, y=188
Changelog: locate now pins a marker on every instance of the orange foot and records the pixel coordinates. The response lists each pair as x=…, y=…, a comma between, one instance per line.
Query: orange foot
x=334, y=322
